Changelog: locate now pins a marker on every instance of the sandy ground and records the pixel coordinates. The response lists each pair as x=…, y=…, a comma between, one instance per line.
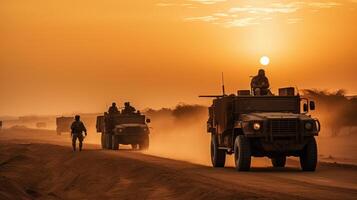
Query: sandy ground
x=40, y=165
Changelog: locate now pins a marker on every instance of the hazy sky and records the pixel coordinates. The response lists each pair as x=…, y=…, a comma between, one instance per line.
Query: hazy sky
x=63, y=56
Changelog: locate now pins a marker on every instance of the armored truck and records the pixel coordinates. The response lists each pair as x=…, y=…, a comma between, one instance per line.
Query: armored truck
x=129, y=129
x=273, y=126
x=63, y=124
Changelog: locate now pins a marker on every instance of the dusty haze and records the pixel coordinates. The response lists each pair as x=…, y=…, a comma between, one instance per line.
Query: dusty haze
x=179, y=133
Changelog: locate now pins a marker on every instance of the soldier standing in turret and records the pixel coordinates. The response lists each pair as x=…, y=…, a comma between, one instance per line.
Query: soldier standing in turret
x=113, y=109
x=77, y=129
x=128, y=109
x=260, y=84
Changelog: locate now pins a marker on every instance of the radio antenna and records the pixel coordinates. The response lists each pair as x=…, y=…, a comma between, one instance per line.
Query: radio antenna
x=216, y=96
x=223, y=90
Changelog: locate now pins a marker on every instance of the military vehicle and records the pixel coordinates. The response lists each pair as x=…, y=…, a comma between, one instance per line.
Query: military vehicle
x=41, y=125
x=63, y=124
x=125, y=129
x=272, y=126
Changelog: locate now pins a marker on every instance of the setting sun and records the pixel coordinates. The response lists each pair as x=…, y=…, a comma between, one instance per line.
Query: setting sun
x=265, y=60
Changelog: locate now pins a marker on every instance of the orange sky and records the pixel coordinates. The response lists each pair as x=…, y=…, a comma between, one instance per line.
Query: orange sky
x=66, y=56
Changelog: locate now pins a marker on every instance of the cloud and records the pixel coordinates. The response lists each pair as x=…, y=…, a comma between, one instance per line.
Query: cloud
x=283, y=8
x=221, y=14
x=289, y=8
x=203, y=18
x=247, y=15
x=242, y=22
x=323, y=5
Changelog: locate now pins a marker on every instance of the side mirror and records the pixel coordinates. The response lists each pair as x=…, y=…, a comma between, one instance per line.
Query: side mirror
x=306, y=107
x=148, y=120
x=312, y=105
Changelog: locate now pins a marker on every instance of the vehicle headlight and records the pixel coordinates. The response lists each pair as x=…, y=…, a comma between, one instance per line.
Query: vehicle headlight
x=145, y=129
x=120, y=130
x=308, y=126
x=256, y=126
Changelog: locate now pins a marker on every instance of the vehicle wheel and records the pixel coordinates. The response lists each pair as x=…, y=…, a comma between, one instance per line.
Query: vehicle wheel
x=108, y=138
x=135, y=146
x=144, y=145
x=242, y=153
x=308, y=156
x=102, y=140
x=278, y=161
x=115, y=142
x=218, y=156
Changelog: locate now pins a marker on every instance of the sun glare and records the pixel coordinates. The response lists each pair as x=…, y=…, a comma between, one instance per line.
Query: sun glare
x=264, y=60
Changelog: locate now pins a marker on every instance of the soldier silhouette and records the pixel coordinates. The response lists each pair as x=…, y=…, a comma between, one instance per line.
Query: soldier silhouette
x=260, y=84
x=113, y=109
x=77, y=129
x=128, y=109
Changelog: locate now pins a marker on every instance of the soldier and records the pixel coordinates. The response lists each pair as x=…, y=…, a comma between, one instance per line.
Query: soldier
x=77, y=128
x=113, y=109
x=128, y=109
x=260, y=84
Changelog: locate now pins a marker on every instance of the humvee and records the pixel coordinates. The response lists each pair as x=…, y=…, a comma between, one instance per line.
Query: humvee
x=123, y=129
x=272, y=126
x=63, y=124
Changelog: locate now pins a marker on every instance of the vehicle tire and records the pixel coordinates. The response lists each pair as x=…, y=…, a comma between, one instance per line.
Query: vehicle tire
x=144, y=145
x=218, y=156
x=278, y=161
x=102, y=140
x=115, y=142
x=242, y=153
x=308, y=156
x=135, y=146
x=108, y=138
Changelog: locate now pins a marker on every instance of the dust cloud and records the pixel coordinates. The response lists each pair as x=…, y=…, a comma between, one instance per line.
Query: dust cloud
x=180, y=133
x=336, y=111
x=338, y=116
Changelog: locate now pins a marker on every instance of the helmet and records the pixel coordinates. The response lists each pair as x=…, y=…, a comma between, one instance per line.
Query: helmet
x=261, y=72
x=77, y=117
x=126, y=104
x=114, y=104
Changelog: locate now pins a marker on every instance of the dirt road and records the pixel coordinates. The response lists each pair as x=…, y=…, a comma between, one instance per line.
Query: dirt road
x=31, y=169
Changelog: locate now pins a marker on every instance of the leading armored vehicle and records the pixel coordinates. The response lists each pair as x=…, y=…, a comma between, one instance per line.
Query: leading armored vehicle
x=274, y=126
x=119, y=128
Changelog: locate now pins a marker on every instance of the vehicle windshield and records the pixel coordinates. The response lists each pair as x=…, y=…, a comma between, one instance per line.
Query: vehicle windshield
x=130, y=119
x=267, y=104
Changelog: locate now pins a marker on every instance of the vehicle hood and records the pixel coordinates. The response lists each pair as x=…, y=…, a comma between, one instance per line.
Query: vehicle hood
x=131, y=125
x=275, y=115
